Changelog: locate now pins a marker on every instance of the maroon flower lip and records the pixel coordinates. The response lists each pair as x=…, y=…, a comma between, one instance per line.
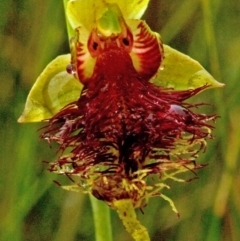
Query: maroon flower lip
x=123, y=127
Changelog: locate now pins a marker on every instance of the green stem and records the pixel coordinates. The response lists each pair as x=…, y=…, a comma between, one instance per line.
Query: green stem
x=102, y=222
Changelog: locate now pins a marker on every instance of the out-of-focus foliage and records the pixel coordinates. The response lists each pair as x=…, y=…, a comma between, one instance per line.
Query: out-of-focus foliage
x=33, y=208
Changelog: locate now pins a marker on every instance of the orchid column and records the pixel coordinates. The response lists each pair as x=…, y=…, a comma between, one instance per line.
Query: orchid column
x=117, y=108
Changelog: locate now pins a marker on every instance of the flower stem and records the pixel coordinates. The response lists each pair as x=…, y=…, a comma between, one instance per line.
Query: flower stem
x=128, y=216
x=102, y=222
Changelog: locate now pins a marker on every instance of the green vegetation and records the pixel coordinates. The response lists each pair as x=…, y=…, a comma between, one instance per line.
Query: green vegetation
x=32, y=208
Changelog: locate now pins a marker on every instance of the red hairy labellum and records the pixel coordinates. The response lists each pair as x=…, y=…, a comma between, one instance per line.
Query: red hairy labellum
x=123, y=128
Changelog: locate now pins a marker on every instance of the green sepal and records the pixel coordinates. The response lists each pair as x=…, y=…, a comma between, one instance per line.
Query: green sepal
x=53, y=90
x=180, y=72
x=86, y=13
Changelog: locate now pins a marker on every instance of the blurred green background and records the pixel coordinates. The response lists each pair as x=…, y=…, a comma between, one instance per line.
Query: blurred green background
x=32, y=208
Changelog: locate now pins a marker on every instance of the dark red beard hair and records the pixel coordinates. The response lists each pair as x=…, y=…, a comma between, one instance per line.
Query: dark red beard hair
x=122, y=123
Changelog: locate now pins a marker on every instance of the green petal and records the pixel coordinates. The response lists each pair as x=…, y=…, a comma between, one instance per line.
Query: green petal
x=181, y=72
x=53, y=89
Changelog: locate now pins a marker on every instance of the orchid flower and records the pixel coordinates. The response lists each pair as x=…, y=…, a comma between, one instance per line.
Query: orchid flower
x=117, y=108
